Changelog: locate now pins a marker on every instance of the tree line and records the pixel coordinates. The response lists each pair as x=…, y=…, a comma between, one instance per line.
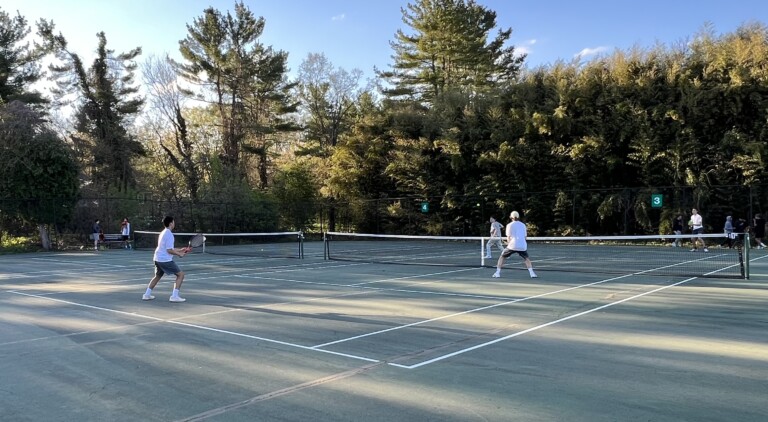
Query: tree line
x=457, y=121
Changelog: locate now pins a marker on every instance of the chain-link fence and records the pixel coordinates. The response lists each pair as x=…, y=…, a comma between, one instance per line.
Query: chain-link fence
x=566, y=212
x=620, y=211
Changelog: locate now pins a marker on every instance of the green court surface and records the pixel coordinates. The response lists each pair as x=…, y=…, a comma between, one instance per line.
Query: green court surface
x=282, y=339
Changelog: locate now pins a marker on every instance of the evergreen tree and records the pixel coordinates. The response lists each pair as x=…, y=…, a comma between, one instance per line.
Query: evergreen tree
x=107, y=100
x=449, y=49
x=19, y=62
x=245, y=80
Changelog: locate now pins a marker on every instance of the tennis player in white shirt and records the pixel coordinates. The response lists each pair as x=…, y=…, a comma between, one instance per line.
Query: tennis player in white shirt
x=517, y=234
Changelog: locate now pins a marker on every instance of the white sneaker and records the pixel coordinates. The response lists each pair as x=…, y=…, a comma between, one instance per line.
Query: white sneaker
x=488, y=257
x=694, y=250
x=706, y=250
x=147, y=297
x=496, y=274
x=176, y=299
x=533, y=275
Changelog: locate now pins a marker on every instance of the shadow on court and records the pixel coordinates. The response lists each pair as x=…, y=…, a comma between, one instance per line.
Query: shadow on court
x=301, y=340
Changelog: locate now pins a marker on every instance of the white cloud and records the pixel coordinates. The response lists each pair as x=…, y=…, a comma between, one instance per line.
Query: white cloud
x=339, y=17
x=525, y=47
x=590, y=52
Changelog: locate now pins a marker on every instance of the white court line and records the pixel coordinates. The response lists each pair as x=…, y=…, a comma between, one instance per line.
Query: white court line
x=483, y=308
x=378, y=289
x=82, y=305
x=193, y=276
x=557, y=321
x=62, y=271
x=519, y=333
x=201, y=327
x=400, y=327
x=90, y=265
x=315, y=348
x=97, y=264
x=414, y=276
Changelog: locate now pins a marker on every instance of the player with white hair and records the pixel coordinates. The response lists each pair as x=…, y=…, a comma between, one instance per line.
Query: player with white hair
x=516, y=244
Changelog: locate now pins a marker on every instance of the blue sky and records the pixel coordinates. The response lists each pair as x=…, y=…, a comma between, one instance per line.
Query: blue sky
x=356, y=33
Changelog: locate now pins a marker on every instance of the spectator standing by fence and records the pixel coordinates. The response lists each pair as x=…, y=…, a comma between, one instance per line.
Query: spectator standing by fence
x=96, y=232
x=758, y=228
x=125, y=232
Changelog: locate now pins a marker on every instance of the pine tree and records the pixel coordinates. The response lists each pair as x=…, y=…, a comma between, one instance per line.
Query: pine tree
x=449, y=49
x=19, y=62
x=246, y=80
x=107, y=101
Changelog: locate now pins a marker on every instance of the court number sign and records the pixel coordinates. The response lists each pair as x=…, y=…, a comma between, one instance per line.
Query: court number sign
x=657, y=200
x=425, y=207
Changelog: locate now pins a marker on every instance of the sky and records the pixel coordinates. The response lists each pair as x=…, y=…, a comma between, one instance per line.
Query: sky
x=356, y=34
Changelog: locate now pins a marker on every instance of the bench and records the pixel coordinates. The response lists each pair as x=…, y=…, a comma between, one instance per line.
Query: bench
x=112, y=238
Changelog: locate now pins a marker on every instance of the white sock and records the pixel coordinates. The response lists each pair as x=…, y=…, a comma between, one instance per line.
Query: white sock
x=148, y=292
x=175, y=293
x=530, y=270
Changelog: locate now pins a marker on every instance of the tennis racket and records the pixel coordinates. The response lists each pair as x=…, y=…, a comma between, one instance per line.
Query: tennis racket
x=196, y=241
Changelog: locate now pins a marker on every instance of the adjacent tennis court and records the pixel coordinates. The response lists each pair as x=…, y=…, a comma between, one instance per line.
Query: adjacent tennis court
x=293, y=336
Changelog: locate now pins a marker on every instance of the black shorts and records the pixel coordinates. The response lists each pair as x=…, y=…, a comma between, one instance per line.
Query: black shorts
x=509, y=252
x=125, y=237
x=700, y=230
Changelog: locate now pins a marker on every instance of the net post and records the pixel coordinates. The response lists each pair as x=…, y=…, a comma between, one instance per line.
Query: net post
x=482, y=251
x=747, y=247
x=325, y=247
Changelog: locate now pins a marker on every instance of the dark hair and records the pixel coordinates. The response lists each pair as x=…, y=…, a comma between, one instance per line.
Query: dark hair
x=167, y=220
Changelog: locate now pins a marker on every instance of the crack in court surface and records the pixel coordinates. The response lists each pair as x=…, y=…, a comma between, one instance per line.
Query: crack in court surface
x=281, y=392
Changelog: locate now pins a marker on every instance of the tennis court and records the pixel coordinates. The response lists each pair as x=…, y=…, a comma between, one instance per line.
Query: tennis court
x=288, y=339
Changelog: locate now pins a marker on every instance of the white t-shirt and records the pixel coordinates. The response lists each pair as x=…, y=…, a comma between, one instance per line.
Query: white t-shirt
x=126, y=229
x=696, y=221
x=164, y=242
x=516, y=233
x=496, y=229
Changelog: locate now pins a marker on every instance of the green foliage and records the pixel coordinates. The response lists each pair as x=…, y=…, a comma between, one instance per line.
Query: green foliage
x=449, y=49
x=38, y=174
x=245, y=80
x=328, y=97
x=17, y=244
x=108, y=99
x=576, y=147
x=19, y=62
x=296, y=192
x=240, y=207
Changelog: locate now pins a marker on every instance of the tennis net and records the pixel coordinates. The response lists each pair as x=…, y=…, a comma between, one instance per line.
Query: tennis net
x=652, y=255
x=277, y=245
